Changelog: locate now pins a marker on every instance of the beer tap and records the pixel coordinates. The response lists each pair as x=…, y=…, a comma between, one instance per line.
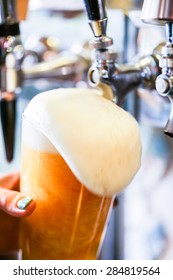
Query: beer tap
x=160, y=12
x=122, y=78
x=11, y=56
x=14, y=72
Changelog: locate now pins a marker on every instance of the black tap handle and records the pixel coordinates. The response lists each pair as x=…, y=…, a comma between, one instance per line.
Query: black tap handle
x=95, y=9
x=8, y=116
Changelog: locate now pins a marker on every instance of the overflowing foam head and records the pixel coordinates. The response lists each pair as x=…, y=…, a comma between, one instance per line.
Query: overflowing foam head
x=99, y=141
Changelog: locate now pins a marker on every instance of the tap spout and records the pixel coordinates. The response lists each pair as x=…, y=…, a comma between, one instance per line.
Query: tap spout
x=160, y=12
x=168, y=130
x=123, y=78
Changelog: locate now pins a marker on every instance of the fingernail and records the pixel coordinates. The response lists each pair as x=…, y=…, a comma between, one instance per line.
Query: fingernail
x=24, y=202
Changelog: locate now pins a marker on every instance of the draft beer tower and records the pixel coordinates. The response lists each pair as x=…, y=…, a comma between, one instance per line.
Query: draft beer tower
x=149, y=71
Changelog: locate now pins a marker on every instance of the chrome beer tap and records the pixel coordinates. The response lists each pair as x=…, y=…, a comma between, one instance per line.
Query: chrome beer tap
x=122, y=78
x=11, y=56
x=14, y=69
x=160, y=12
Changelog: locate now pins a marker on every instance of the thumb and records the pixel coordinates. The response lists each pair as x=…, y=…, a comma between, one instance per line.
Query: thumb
x=11, y=201
x=16, y=204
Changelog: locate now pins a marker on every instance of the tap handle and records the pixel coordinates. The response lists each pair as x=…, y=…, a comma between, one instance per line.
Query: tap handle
x=95, y=9
x=8, y=117
x=8, y=12
x=96, y=12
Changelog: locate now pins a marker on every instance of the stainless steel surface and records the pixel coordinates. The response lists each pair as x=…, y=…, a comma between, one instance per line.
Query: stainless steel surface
x=101, y=42
x=162, y=85
x=157, y=11
x=123, y=78
x=98, y=27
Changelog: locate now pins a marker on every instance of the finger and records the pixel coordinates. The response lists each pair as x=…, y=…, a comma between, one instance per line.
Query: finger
x=16, y=204
x=10, y=181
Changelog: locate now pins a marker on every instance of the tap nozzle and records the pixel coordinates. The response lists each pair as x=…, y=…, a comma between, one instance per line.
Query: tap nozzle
x=169, y=126
x=160, y=12
x=103, y=58
x=164, y=86
x=164, y=82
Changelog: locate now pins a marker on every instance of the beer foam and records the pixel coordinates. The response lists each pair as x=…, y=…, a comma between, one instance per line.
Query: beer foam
x=99, y=141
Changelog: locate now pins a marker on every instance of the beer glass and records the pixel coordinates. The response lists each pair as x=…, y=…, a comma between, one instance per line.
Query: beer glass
x=69, y=221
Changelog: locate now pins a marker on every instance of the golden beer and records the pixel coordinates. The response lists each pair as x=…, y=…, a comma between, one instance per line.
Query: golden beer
x=69, y=220
x=75, y=159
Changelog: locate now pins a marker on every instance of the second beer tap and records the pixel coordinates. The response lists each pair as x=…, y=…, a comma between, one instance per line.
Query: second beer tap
x=122, y=78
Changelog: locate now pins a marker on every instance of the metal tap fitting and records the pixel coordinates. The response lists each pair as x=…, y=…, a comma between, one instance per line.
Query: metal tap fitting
x=97, y=19
x=164, y=82
x=10, y=69
x=11, y=56
x=161, y=12
x=122, y=78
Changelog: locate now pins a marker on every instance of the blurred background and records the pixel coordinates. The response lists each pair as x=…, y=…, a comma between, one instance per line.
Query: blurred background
x=57, y=33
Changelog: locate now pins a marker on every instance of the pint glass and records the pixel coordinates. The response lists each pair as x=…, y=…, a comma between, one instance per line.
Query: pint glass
x=69, y=221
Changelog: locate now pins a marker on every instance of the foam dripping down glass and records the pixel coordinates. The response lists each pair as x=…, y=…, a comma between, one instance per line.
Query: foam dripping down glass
x=74, y=162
